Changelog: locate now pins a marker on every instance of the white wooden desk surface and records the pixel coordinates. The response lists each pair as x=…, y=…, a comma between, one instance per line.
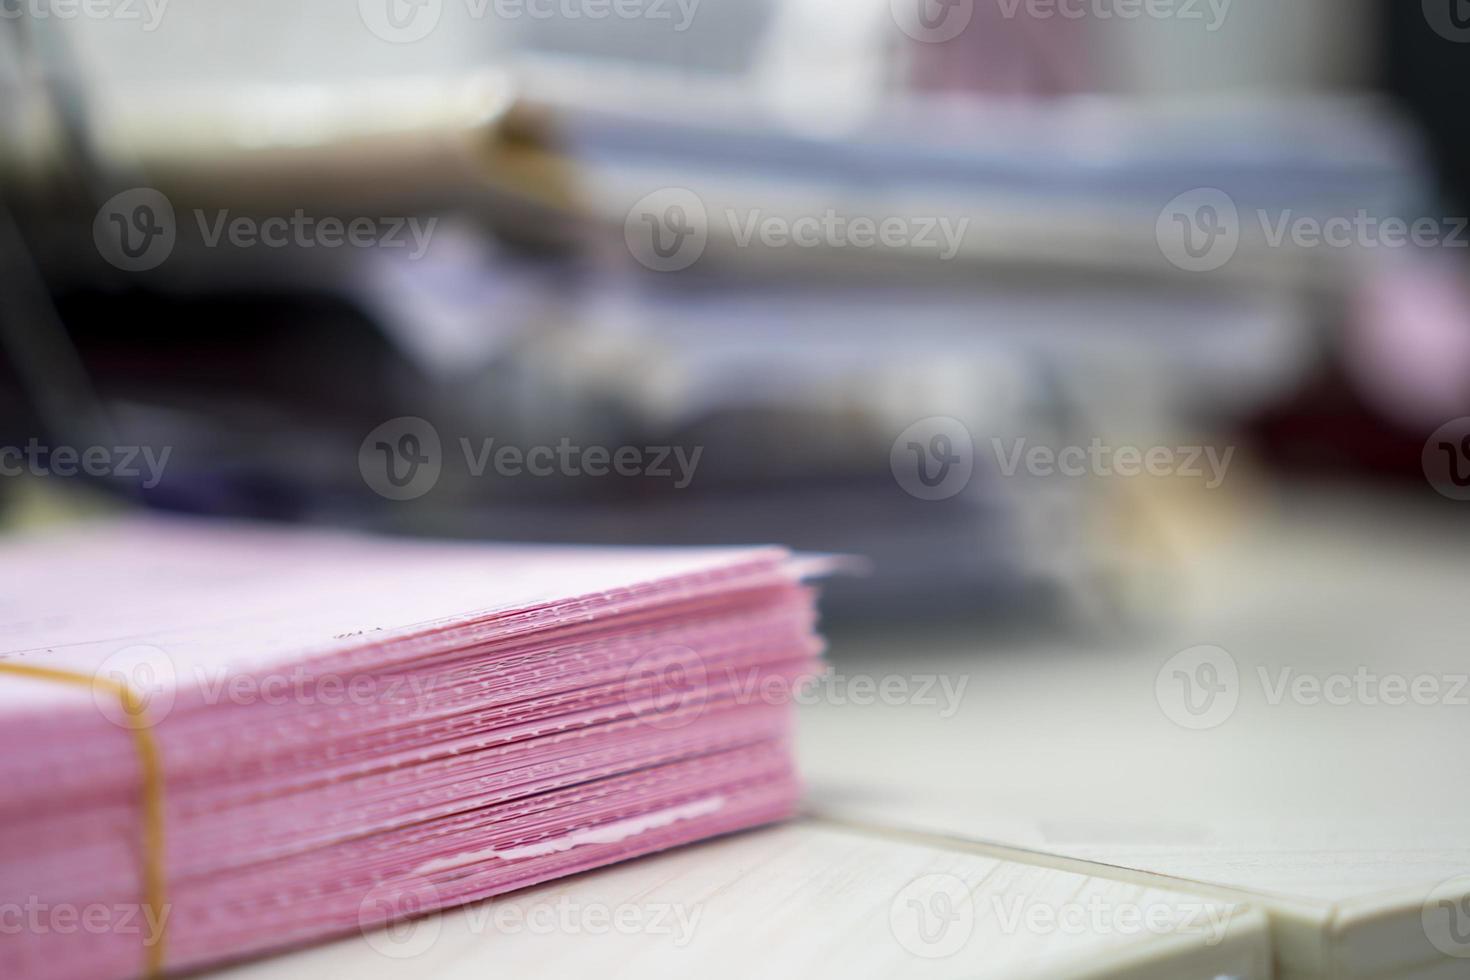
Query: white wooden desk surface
x=808, y=899
x=1340, y=814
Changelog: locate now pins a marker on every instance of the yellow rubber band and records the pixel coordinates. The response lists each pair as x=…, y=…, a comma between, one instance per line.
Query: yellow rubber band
x=151, y=871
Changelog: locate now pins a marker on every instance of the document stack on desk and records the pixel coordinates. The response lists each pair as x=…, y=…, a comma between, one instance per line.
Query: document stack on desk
x=226, y=740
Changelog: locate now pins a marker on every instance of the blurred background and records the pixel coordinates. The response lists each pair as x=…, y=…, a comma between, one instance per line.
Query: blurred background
x=1027, y=303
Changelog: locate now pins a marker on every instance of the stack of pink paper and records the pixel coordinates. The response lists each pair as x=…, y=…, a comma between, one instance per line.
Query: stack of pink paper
x=351, y=730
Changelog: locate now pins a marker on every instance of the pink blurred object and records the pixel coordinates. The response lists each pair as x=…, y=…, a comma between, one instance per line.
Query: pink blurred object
x=357, y=730
x=1409, y=347
x=1004, y=51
